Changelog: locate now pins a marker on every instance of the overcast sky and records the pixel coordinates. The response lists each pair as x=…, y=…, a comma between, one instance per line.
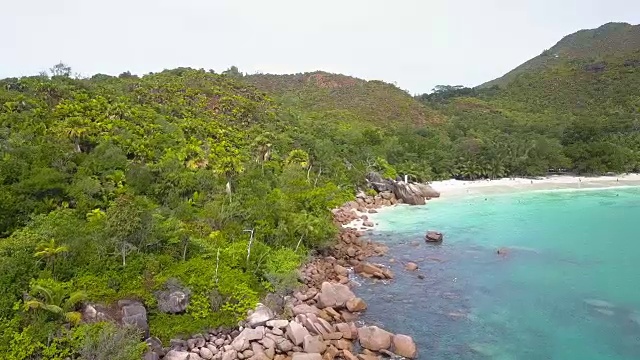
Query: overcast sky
x=415, y=43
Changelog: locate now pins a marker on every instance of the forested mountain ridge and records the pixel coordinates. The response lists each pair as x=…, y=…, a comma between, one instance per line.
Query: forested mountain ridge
x=582, y=115
x=374, y=102
x=591, y=46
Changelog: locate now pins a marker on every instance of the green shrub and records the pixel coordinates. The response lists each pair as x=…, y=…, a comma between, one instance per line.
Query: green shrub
x=282, y=261
x=237, y=289
x=20, y=344
x=108, y=342
x=388, y=171
x=169, y=326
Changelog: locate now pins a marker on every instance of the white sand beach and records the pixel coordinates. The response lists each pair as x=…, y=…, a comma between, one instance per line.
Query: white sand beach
x=458, y=188
x=455, y=188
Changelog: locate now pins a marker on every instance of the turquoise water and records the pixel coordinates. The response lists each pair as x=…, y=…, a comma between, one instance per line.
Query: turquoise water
x=568, y=288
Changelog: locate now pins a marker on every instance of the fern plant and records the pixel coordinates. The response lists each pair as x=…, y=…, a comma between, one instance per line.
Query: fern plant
x=56, y=301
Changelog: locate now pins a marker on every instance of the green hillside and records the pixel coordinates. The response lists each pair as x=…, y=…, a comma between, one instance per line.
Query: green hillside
x=112, y=186
x=590, y=45
x=581, y=114
x=372, y=102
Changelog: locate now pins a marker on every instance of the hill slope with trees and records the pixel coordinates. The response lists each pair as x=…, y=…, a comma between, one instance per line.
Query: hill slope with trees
x=372, y=102
x=589, y=45
x=581, y=114
x=111, y=187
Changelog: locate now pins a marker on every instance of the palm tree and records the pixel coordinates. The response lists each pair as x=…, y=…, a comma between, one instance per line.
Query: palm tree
x=49, y=251
x=469, y=169
x=95, y=215
x=55, y=301
x=496, y=169
x=76, y=134
x=117, y=178
x=299, y=157
x=305, y=224
x=262, y=147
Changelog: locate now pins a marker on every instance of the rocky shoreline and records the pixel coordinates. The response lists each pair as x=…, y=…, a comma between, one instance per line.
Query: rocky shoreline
x=318, y=322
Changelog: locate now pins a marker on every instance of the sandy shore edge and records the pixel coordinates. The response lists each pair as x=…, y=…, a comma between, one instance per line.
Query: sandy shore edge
x=456, y=188
x=452, y=189
x=358, y=224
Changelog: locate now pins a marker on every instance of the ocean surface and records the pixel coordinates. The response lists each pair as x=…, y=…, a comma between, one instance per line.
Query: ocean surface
x=567, y=288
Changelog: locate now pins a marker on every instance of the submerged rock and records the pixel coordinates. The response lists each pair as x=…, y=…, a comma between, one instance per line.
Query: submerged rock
x=492, y=351
x=599, y=303
x=433, y=236
x=411, y=266
x=371, y=270
x=605, y=312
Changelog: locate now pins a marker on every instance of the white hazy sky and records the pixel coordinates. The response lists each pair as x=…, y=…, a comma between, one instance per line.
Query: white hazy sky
x=415, y=43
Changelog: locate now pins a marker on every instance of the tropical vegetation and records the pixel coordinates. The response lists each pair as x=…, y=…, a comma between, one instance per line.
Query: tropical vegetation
x=112, y=187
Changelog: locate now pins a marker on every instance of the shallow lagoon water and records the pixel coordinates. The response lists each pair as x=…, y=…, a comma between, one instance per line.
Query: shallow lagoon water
x=568, y=287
